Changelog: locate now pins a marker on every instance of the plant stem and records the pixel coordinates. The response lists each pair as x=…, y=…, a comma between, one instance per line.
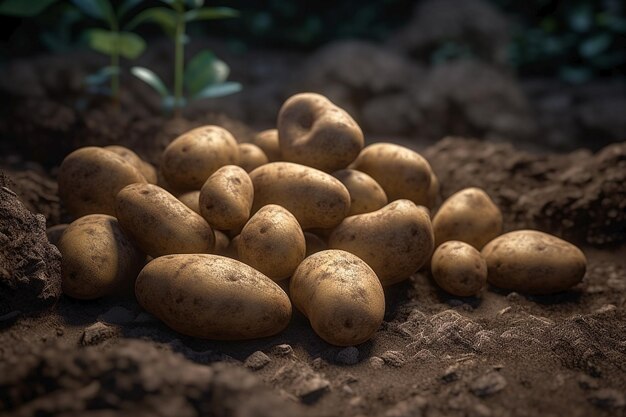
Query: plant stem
x=179, y=63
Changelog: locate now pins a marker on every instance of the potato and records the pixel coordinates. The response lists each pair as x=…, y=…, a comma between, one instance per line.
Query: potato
x=366, y=195
x=222, y=243
x=146, y=169
x=401, y=172
x=90, y=178
x=313, y=131
x=272, y=242
x=55, y=232
x=314, y=244
x=395, y=241
x=459, y=269
x=97, y=258
x=192, y=157
x=212, y=297
x=191, y=199
x=533, y=262
x=315, y=198
x=267, y=140
x=433, y=191
x=226, y=198
x=161, y=224
x=251, y=156
x=469, y=216
x=340, y=295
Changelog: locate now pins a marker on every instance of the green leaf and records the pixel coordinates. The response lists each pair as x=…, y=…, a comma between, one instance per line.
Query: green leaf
x=161, y=16
x=150, y=78
x=128, y=45
x=203, y=70
x=126, y=6
x=194, y=4
x=98, y=9
x=219, y=90
x=23, y=8
x=210, y=13
x=102, y=75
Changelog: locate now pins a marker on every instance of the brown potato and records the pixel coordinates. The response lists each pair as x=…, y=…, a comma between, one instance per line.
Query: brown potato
x=366, y=195
x=212, y=297
x=267, y=140
x=272, y=242
x=313, y=131
x=226, y=198
x=192, y=157
x=459, y=269
x=251, y=156
x=146, y=169
x=191, y=199
x=469, y=216
x=314, y=244
x=315, y=198
x=160, y=223
x=341, y=296
x=90, y=178
x=395, y=241
x=401, y=172
x=433, y=191
x=533, y=262
x=222, y=243
x=97, y=258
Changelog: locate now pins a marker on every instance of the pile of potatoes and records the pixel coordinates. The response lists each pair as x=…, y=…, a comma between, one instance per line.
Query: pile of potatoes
x=225, y=237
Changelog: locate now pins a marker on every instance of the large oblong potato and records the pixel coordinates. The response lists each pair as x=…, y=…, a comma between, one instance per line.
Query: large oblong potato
x=272, y=242
x=98, y=259
x=459, y=269
x=403, y=173
x=192, y=157
x=469, y=216
x=341, y=296
x=315, y=132
x=146, y=169
x=90, y=178
x=366, y=195
x=251, y=156
x=160, y=223
x=212, y=297
x=316, y=199
x=226, y=198
x=533, y=262
x=267, y=140
x=395, y=241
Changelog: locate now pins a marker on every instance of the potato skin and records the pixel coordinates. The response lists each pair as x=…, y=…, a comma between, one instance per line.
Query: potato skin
x=251, y=156
x=272, y=242
x=401, y=172
x=341, y=296
x=533, y=262
x=315, y=198
x=459, y=269
x=469, y=216
x=192, y=157
x=366, y=195
x=98, y=258
x=315, y=132
x=146, y=169
x=160, y=223
x=267, y=140
x=191, y=199
x=212, y=297
x=90, y=178
x=395, y=241
x=226, y=198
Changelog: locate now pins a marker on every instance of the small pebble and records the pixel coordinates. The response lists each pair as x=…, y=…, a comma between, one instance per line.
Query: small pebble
x=318, y=363
x=348, y=356
x=393, y=358
x=282, y=350
x=97, y=333
x=513, y=296
x=376, y=362
x=257, y=360
x=488, y=384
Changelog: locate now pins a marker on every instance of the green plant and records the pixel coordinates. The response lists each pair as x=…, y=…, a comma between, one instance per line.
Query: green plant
x=205, y=75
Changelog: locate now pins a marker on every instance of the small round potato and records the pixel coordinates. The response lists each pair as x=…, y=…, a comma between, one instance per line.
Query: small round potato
x=55, y=232
x=316, y=199
x=533, y=262
x=97, y=258
x=366, y=195
x=314, y=244
x=212, y=297
x=469, y=216
x=146, y=169
x=226, y=198
x=313, y=131
x=90, y=178
x=251, y=156
x=459, y=269
x=272, y=242
x=395, y=241
x=192, y=157
x=267, y=140
x=191, y=199
x=403, y=173
x=222, y=243
x=160, y=223
x=341, y=296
